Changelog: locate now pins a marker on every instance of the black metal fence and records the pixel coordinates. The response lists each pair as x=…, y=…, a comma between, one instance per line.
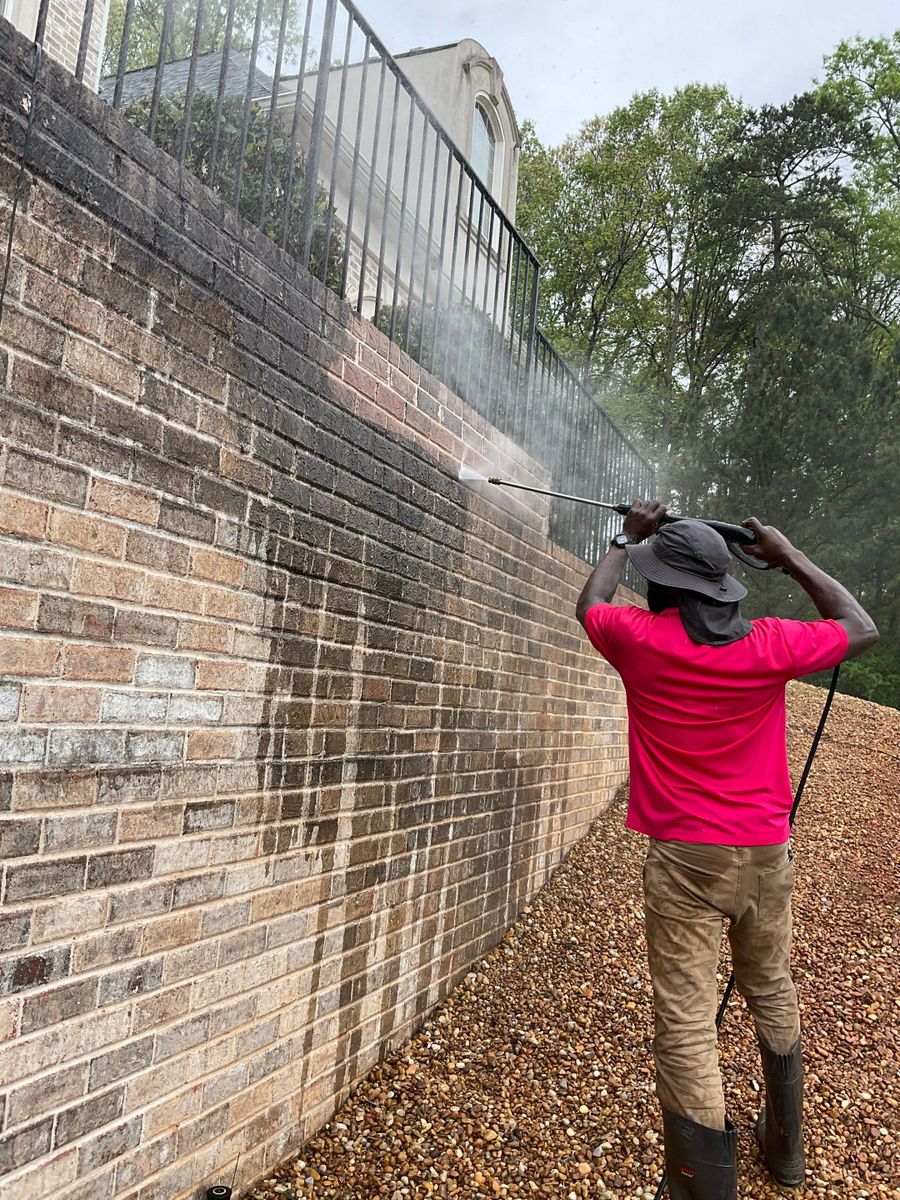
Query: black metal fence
x=295, y=111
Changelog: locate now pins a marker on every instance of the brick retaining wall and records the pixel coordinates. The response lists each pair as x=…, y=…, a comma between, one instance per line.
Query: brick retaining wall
x=291, y=723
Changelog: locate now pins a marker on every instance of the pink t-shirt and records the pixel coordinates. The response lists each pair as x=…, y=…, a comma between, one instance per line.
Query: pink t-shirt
x=706, y=724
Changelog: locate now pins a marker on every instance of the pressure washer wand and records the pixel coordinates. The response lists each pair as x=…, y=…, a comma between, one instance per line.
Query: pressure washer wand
x=735, y=535
x=524, y=487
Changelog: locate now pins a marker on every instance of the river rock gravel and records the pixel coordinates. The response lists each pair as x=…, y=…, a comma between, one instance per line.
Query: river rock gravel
x=534, y=1078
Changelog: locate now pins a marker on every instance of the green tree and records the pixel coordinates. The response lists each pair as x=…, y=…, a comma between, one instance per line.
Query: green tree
x=805, y=447
x=638, y=284
x=728, y=281
x=810, y=433
x=685, y=320
x=863, y=75
x=583, y=208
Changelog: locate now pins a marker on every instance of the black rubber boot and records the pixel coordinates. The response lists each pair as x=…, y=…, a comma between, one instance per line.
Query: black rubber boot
x=701, y=1163
x=779, y=1127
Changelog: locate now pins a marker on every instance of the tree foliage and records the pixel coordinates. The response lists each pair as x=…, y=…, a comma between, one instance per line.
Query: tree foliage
x=727, y=280
x=147, y=27
x=864, y=77
x=264, y=191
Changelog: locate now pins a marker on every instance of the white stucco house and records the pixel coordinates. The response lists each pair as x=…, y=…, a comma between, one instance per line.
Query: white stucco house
x=463, y=85
x=382, y=161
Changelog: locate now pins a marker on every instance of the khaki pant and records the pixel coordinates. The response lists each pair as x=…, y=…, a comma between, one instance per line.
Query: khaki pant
x=689, y=888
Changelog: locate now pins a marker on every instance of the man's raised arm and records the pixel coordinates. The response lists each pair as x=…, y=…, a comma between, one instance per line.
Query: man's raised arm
x=831, y=598
x=601, y=586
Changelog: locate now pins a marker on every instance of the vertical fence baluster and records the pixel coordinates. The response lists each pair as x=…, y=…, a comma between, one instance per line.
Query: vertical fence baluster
x=357, y=145
x=441, y=255
x=287, y=215
x=402, y=218
x=373, y=171
x=191, y=83
x=579, y=442
x=593, y=459
x=335, y=157
x=41, y=24
x=532, y=314
x=550, y=414
x=472, y=319
x=555, y=400
x=417, y=218
x=463, y=334
x=164, y=37
x=308, y=219
x=429, y=237
x=615, y=487
x=558, y=400
x=220, y=93
x=273, y=109
x=385, y=216
x=123, y=53
x=500, y=404
x=490, y=397
x=526, y=340
x=606, y=492
x=86, y=23
x=584, y=457
x=524, y=319
x=579, y=438
x=449, y=347
x=536, y=428
x=481, y=382
x=577, y=459
x=514, y=300
x=248, y=104
x=529, y=419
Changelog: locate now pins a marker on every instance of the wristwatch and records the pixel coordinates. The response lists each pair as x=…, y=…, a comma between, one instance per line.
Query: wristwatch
x=622, y=540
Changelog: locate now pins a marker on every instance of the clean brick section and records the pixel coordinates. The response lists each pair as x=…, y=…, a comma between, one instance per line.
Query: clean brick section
x=165, y=672
x=291, y=724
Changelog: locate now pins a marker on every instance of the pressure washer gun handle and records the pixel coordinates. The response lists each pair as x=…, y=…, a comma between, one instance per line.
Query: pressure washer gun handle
x=734, y=535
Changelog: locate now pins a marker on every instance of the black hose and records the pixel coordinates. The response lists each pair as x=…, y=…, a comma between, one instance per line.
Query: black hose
x=815, y=745
x=729, y=986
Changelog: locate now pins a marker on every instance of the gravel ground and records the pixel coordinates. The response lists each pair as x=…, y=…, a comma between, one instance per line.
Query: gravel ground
x=534, y=1078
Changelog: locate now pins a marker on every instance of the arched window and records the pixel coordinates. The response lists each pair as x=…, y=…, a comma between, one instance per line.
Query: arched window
x=483, y=143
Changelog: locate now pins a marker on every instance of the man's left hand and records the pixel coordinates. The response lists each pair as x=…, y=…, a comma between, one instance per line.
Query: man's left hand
x=643, y=519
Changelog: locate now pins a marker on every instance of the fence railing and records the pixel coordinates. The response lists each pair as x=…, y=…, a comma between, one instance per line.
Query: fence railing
x=295, y=111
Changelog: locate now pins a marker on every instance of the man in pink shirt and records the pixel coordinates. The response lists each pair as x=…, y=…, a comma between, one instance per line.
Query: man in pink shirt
x=705, y=690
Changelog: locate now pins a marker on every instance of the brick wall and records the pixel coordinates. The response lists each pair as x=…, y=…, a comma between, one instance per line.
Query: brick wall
x=62, y=33
x=63, y=36
x=291, y=723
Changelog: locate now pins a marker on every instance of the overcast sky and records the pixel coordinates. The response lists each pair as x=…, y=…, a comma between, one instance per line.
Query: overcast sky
x=565, y=61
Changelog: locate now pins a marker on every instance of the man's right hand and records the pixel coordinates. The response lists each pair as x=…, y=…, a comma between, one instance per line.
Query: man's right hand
x=643, y=519
x=771, y=545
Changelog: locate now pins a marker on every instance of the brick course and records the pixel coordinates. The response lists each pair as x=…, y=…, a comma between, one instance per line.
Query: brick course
x=291, y=723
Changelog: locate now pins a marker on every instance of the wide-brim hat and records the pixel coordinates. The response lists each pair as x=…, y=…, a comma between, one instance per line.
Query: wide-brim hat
x=688, y=554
